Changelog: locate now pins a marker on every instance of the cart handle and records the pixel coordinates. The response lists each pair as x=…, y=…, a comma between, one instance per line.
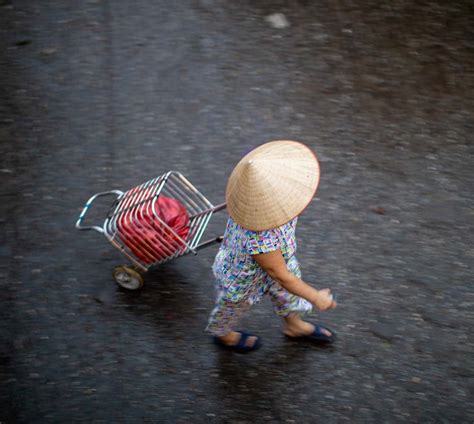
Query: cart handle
x=87, y=206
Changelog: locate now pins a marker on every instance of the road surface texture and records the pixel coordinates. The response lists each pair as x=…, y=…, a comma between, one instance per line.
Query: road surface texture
x=100, y=94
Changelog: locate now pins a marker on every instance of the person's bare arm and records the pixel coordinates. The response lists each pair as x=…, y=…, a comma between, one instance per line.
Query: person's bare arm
x=274, y=264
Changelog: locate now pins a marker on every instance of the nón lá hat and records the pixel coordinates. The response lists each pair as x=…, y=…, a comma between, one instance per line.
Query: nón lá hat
x=272, y=184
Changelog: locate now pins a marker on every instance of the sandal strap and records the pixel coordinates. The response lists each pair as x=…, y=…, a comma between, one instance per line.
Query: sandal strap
x=242, y=344
x=318, y=331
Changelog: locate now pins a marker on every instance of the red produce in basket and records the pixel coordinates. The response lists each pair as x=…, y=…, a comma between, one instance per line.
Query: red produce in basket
x=148, y=239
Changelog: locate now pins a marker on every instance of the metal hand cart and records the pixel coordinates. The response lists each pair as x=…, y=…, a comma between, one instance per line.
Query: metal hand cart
x=135, y=225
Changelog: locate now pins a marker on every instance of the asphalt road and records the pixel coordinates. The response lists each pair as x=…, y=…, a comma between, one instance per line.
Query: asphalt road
x=100, y=94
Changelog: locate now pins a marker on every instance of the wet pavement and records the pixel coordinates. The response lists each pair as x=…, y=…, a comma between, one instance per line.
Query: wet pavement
x=99, y=95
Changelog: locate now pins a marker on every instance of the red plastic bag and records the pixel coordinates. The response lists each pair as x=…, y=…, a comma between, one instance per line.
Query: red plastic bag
x=147, y=238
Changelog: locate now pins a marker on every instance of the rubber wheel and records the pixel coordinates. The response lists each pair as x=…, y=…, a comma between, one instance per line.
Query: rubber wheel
x=127, y=278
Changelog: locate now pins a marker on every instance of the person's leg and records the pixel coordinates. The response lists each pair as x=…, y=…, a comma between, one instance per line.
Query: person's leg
x=224, y=319
x=290, y=307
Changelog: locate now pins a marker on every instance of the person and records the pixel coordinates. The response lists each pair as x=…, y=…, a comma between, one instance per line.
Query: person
x=266, y=192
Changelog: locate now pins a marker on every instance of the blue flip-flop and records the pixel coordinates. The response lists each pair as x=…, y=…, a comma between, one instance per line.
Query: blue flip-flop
x=241, y=346
x=317, y=335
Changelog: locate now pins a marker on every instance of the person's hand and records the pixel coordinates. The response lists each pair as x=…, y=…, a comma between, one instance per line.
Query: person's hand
x=324, y=300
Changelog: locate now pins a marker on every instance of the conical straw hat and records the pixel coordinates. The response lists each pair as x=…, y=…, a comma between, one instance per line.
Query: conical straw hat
x=272, y=184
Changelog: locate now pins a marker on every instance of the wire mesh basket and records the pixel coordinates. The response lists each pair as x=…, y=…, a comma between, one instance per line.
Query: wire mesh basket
x=157, y=221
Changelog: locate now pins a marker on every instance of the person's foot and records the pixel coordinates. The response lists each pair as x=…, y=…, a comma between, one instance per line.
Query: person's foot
x=294, y=326
x=234, y=338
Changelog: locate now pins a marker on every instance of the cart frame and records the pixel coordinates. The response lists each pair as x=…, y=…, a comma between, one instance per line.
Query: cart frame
x=131, y=207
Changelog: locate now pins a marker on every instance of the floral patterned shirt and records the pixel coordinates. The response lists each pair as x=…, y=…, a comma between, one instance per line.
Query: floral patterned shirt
x=235, y=269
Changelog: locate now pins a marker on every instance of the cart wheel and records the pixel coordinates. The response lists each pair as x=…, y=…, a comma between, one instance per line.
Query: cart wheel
x=127, y=278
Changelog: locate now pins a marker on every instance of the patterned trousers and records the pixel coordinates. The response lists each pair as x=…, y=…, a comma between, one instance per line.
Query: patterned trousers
x=226, y=313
